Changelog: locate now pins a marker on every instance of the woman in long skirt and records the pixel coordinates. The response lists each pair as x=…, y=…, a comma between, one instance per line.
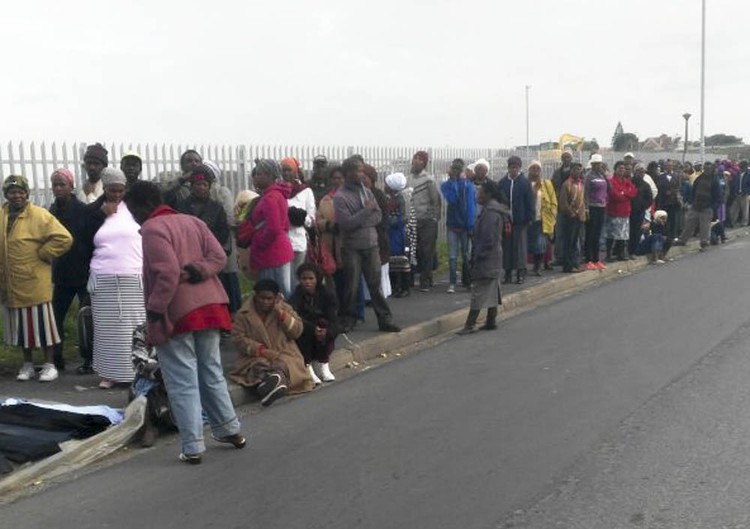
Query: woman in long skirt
x=487, y=257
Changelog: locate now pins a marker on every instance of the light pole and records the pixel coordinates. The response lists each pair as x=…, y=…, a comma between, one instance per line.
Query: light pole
x=527, y=123
x=703, y=81
x=686, y=115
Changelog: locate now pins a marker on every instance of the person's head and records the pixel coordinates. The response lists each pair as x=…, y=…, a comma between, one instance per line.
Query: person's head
x=142, y=199
x=95, y=159
x=639, y=171
x=419, y=162
x=456, y=168
x=370, y=176
x=566, y=158
x=535, y=171
x=628, y=158
x=469, y=172
x=335, y=177
x=395, y=183
x=709, y=169
x=132, y=165
x=265, y=173
x=201, y=179
x=597, y=163
x=63, y=182
x=576, y=170
x=653, y=168
x=16, y=191
x=266, y=294
x=514, y=166
x=113, y=181
x=481, y=168
x=320, y=162
x=668, y=166
x=309, y=276
x=189, y=160
x=620, y=169
x=290, y=170
x=660, y=216
x=743, y=165
x=215, y=170
x=688, y=168
x=353, y=169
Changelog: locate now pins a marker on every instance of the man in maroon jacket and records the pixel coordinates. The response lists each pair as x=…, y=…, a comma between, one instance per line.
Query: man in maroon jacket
x=186, y=308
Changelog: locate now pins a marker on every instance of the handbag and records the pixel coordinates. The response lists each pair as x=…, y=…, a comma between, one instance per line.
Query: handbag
x=318, y=253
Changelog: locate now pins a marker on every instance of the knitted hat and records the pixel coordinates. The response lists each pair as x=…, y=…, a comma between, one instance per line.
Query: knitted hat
x=111, y=175
x=96, y=152
x=15, y=181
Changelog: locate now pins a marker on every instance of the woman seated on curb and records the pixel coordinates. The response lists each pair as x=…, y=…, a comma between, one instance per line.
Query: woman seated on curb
x=265, y=330
x=317, y=308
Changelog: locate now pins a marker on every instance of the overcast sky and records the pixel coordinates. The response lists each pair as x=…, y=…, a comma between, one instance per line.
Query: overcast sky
x=386, y=72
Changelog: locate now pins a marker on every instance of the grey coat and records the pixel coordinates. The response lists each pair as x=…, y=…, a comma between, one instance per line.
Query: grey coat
x=486, y=247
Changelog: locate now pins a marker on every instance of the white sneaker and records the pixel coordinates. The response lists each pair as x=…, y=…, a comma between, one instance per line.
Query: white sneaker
x=48, y=374
x=451, y=289
x=26, y=372
x=313, y=375
x=325, y=373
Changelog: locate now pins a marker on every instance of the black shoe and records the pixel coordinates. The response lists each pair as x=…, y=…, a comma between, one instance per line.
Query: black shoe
x=85, y=369
x=508, y=278
x=678, y=242
x=275, y=394
x=489, y=326
x=467, y=330
x=389, y=327
x=237, y=440
x=191, y=459
x=268, y=384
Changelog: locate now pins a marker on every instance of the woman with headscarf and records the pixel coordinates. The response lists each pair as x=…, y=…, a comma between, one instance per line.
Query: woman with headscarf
x=30, y=239
x=402, y=234
x=265, y=331
x=243, y=204
x=542, y=229
x=115, y=281
x=70, y=272
x=330, y=240
x=265, y=229
x=301, y=203
x=487, y=257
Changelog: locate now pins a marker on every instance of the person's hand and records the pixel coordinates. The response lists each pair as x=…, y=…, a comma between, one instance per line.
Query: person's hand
x=109, y=208
x=320, y=334
x=193, y=274
x=371, y=204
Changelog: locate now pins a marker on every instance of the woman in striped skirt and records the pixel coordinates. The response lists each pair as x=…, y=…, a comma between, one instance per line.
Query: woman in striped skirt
x=115, y=282
x=30, y=239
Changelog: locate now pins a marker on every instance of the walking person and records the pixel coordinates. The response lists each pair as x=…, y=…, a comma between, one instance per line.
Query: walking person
x=30, y=239
x=597, y=193
x=115, y=281
x=542, y=229
x=460, y=196
x=187, y=308
x=617, y=224
x=487, y=257
x=516, y=187
x=428, y=208
x=572, y=207
x=265, y=230
x=70, y=272
x=357, y=214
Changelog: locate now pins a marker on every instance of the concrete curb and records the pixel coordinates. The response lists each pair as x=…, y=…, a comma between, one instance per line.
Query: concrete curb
x=514, y=303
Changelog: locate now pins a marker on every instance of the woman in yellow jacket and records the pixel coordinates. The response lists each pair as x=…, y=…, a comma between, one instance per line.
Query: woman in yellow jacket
x=30, y=239
x=541, y=231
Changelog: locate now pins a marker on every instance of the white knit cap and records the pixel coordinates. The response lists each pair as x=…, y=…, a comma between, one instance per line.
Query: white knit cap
x=396, y=181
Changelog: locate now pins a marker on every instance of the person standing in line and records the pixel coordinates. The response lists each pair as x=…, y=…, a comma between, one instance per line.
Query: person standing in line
x=705, y=195
x=301, y=204
x=115, y=282
x=487, y=257
x=572, y=206
x=639, y=205
x=460, y=196
x=318, y=181
x=328, y=231
x=428, y=208
x=718, y=231
x=132, y=165
x=559, y=177
x=668, y=198
x=542, y=229
x=265, y=230
x=357, y=215
x=178, y=189
x=597, y=192
x=95, y=159
x=402, y=234
x=384, y=246
x=739, y=210
x=516, y=187
x=31, y=238
x=617, y=224
x=70, y=272
x=186, y=309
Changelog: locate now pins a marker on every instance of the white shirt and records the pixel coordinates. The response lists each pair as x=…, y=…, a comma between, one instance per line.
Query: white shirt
x=92, y=195
x=297, y=234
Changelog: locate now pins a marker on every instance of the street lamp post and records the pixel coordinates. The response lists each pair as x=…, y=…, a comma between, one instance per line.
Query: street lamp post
x=686, y=115
x=703, y=81
x=527, y=123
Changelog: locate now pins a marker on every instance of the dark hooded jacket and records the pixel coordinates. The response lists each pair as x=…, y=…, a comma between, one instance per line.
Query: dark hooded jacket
x=487, y=248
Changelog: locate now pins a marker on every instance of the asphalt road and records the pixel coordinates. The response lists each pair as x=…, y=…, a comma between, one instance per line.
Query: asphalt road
x=493, y=430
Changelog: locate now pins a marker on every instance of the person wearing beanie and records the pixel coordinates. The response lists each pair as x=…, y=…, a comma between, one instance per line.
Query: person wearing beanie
x=95, y=159
x=70, y=273
x=131, y=164
x=428, y=208
x=30, y=239
x=115, y=280
x=517, y=188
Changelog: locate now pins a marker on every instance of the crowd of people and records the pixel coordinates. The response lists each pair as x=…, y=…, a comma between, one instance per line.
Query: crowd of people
x=320, y=248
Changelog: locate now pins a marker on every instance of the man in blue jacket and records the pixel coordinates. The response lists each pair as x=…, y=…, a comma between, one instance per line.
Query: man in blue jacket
x=460, y=195
x=517, y=190
x=741, y=184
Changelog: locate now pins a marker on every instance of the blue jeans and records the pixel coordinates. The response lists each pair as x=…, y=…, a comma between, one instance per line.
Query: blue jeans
x=282, y=276
x=191, y=367
x=456, y=240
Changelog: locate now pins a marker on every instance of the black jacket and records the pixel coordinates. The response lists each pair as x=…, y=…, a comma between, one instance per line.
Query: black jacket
x=312, y=309
x=642, y=201
x=212, y=213
x=71, y=269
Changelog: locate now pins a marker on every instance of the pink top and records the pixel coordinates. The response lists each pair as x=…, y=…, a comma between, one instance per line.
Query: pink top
x=117, y=245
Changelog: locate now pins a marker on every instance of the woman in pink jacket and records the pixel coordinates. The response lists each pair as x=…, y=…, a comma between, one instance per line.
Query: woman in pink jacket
x=265, y=231
x=617, y=225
